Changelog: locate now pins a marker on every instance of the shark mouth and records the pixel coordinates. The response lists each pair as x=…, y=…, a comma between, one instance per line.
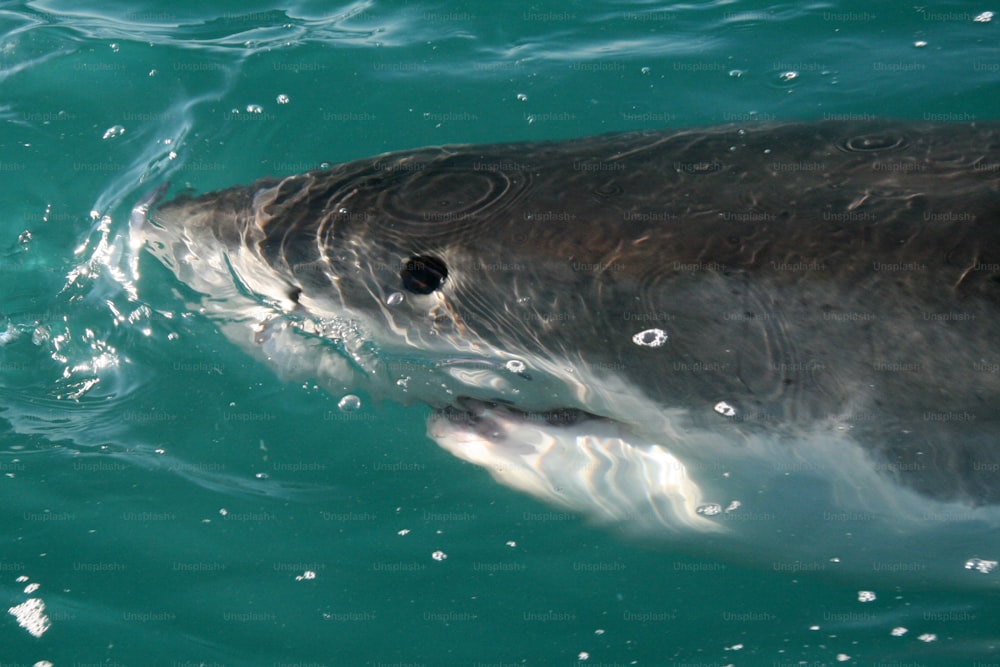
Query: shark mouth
x=572, y=459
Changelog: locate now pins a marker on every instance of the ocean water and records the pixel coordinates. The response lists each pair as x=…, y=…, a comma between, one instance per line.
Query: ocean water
x=171, y=502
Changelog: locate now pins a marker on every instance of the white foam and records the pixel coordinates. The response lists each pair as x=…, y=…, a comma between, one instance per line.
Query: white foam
x=31, y=616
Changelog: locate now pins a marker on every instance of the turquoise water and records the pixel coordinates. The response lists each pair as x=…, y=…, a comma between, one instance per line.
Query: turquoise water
x=177, y=504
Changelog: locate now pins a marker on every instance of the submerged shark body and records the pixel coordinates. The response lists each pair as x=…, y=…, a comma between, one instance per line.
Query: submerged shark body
x=673, y=329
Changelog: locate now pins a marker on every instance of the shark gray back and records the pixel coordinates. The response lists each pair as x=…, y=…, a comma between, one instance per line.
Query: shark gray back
x=737, y=295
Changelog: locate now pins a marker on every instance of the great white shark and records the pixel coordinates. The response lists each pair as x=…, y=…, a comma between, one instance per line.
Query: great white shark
x=789, y=328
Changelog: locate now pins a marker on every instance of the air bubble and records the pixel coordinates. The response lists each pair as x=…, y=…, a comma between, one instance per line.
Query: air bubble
x=515, y=366
x=349, y=403
x=282, y=99
x=394, y=299
x=255, y=108
x=650, y=338
x=113, y=132
x=725, y=409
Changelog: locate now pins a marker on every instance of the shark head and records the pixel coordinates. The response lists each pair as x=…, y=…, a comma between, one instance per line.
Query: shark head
x=663, y=328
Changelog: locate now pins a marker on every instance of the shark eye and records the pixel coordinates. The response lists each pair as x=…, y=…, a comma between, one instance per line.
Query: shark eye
x=423, y=274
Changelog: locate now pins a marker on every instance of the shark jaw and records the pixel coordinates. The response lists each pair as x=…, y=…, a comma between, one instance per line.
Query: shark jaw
x=816, y=500
x=577, y=462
